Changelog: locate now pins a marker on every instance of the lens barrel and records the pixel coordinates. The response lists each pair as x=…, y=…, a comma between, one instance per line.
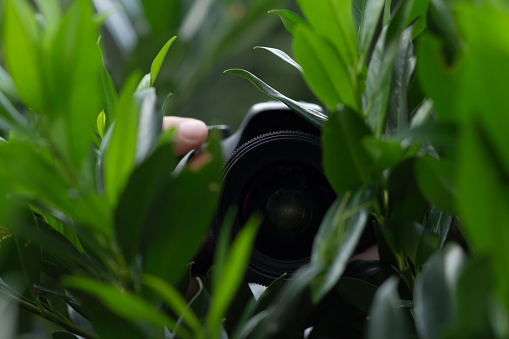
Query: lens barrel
x=279, y=176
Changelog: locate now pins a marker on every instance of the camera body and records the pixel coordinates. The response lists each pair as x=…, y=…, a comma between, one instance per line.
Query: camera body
x=273, y=169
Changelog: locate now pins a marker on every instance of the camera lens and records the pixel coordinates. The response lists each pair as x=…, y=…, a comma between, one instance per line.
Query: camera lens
x=279, y=176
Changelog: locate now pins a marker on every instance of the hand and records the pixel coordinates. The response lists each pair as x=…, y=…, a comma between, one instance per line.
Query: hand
x=190, y=133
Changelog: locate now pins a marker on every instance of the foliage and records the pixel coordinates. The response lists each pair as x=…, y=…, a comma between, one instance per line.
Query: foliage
x=97, y=231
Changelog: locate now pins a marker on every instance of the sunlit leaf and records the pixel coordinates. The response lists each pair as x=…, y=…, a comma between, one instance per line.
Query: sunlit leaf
x=325, y=73
x=290, y=19
x=283, y=56
x=158, y=61
x=310, y=114
x=22, y=53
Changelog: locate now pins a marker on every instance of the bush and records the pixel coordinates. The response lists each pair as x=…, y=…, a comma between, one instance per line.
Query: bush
x=98, y=234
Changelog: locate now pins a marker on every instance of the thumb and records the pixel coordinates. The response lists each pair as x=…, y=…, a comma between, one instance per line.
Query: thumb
x=190, y=133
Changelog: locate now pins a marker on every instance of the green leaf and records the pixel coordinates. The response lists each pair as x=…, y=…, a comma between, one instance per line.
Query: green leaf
x=387, y=320
x=270, y=293
x=174, y=231
x=119, y=157
x=357, y=13
x=378, y=82
x=370, y=17
x=22, y=52
x=345, y=161
x=437, y=183
x=405, y=201
x=10, y=118
x=290, y=19
x=232, y=275
x=337, y=238
x=7, y=84
x=384, y=153
x=33, y=176
x=101, y=123
x=73, y=64
x=404, y=64
x=132, y=213
x=324, y=71
x=176, y=303
x=310, y=114
x=440, y=222
x=483, y=190
x=127, y=305
x=110, y=93
x=149, y=124
x=333, y=21
x=273, y=322
x=158, y=61
x=282, y=55
x=357, y=292
x=433, y=307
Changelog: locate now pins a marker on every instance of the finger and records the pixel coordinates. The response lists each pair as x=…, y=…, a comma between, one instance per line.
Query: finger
x=190, y=133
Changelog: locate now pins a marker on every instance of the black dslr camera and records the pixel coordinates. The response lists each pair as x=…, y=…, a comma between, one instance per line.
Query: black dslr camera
x=273, y=168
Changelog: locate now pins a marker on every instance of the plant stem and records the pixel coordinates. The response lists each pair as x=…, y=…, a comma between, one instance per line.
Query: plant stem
x=67, y=325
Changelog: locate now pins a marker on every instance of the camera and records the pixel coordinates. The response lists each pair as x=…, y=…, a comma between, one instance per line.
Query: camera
x=273, y=168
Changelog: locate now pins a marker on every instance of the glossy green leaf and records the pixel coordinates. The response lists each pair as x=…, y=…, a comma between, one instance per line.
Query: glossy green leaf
x=387, y=319
x=101, y=123
x=52, y=13
x=149, y=124
x=324, y=71
x=346, y=163
x=310, y=114
x=22, y=52
x=290, y=19
x=440, y=222
x=370, y=17
x=232, y=275
x=337, y=238
x=377, y=87
x=433, y=307
x=124, y=304
x=282, y=55
x=436, y=182
x=404, y=64
x=357, y=13
x=119, y=157
x=158, y=61
x=332, y=20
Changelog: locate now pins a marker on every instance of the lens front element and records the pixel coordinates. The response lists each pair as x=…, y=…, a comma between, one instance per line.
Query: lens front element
x=279, y=176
